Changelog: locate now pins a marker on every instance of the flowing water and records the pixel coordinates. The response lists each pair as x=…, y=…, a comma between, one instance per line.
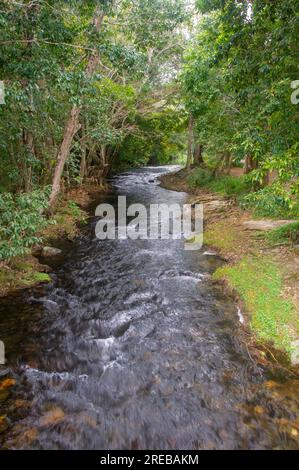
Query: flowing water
x=134, y=346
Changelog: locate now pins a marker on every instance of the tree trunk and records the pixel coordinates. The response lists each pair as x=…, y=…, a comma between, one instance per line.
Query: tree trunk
x=69, y=132
x=227, y=162
x=249, y=164
x=197, y=154
x=27, y=169
x=266, y=179
x=83, y=163
x=190, y=142
x=72, y=124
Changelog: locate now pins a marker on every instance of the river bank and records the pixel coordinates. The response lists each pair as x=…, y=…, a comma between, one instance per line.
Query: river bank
x=262, y=272
x=32, y=269
x=134, y=345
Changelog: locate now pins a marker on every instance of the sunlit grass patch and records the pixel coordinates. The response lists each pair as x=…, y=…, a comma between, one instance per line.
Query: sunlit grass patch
x=259, y=282
x=222, y=235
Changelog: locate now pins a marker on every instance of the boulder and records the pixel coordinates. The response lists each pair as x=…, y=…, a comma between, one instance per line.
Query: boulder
x=49, y=251
x=264, y=225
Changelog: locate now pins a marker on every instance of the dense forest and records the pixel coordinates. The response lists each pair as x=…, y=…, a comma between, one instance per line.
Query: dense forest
x=88, y=86
x=95, y=85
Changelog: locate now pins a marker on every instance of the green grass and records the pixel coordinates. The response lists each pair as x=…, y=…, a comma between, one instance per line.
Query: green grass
x=285, y=235
x=223, y=236
x=41, y=277
x=259, y=283
x=225, y=185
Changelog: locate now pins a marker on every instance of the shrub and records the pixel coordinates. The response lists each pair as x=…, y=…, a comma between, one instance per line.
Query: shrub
x=287, y=234
x=272, y=201
x=199, y=177
x=229, y=185
x=224, y=184
x=21, y=219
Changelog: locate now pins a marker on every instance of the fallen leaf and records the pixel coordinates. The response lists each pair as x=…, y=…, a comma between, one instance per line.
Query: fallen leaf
x=7, y=383
x=258, y=409
x=270, y=384
x=52, y=417
x=21, y=404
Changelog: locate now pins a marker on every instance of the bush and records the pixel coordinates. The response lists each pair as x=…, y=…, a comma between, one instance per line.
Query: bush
x=272, y=201
x=229, y=185
x=287, y=234
x=224, y=184
x=21, y=219
x=199, y=177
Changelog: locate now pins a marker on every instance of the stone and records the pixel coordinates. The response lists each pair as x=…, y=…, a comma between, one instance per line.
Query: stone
x=44, y=268
x=264, y=225
x=4, y=423
x=295, y=353
x=49, y=251
x=214, y=205
x=4, y=372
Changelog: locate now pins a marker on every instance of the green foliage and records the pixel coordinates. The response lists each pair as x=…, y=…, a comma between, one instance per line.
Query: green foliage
x=21, y=219
x=45, y=49
x=259, y=282
x=161, y=137
x=226, y=185
x=272, y=201
x=285, y=235
x=239, y=96
x=41, y=277
x=76, y=212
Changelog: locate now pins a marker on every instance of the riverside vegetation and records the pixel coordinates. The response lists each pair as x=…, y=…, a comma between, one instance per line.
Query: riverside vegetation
x=96, y=87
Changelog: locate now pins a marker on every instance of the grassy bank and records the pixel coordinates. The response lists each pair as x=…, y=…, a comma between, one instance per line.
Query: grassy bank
x=262, y=266
x=259, y=282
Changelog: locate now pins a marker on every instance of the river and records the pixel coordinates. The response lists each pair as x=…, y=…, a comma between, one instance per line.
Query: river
x=134, y=346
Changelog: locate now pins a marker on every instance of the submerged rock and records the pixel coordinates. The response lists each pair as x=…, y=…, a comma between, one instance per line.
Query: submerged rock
x=4, y=372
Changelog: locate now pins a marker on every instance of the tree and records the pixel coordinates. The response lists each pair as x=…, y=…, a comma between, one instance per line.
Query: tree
x=239, y=95
x=72, y=124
